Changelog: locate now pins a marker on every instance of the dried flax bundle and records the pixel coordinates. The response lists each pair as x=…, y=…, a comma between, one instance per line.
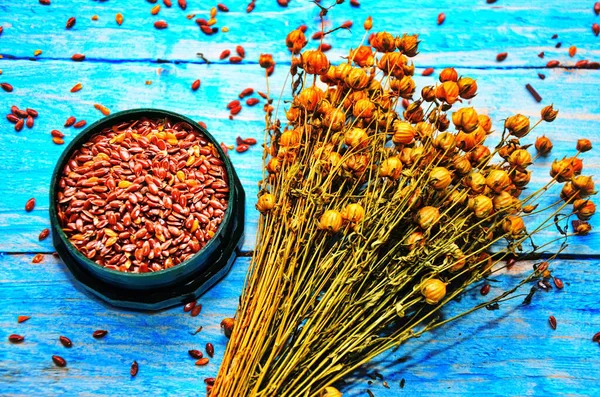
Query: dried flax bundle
x=373, y=219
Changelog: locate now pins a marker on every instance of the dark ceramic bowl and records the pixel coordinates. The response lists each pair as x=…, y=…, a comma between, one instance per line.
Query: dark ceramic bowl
x=152, y=291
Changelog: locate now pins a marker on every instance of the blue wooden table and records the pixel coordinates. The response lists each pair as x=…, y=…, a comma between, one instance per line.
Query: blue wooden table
x=511, y=351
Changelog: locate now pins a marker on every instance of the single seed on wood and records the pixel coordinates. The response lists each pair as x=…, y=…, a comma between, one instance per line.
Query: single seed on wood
x=222, y=7
x=242, y=148
x=354, y=3
x=240, y=50
x=160, y=24
x=71, y=22
x=441, y=18
x=103, y=109
x=57, y=134
x=235, y=110
x=597, y=8
x=202, y=361
x=189, y=306
x=29, y=122
x=581, y=64
x=119, y=18
x=596, y=337
x=533, y=93
x=133, y=371
x=235, y=59
x=347, y=25
x=80, y=124
x=209, y=381
x=485, y=289
x=14, y=338
x=77, y=87
x=70, y=121
x=501, y=56
x=182, y=4
x=44, y=234
x=6, y=87
x=78, y=57
x=37, y=53
x=552, y=64
x=31, y=112
x=167, y=3
x=196, y=85
x=491, y=1
x=317, y=35
x=94, y=17
x=233, y=104
x=558, y=283
x=44, y=2
x=12, y=118
x=554, y=36
x=207, y=30
x=22, y=319
x=558, y=45
x=552, y=322
x=428, y=72
x=66, y=342
x=249, y=141
x=101, y=333
x=246, y=92
x=19, y=112
x=30, y=205
x=19, y=125
x=58, y=141
x=155, y=9
x=59, y=361
x=197, y=354
x=283, y=3
x=541, y=76
x=37, y=258
x=196, y=310
x=252, y=101
x=224, y=54
x=210, y=349
x=596, y=29
x=250, y=7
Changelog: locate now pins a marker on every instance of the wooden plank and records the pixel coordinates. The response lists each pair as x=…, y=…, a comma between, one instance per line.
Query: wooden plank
x=472, y=34
x=512, y=348
x=45, y=86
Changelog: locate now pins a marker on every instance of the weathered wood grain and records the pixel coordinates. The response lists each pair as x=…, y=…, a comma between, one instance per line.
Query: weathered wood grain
x=481, y=352
x=32, y=156
x=472, y=34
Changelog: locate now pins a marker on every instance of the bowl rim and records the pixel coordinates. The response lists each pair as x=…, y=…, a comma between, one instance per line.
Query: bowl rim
x=97, y=127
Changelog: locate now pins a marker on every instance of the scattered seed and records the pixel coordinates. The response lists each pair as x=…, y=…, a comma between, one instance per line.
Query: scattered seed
x=554, y=36
x=491, y=1
x=30, y=205
x=252, y=101
x=77, y=87
x=210, y=349
x=202, y=361
x=209, y=381
x=44, y=2
x=242, y=148
x=58, y=141
x=197, y=354
x=78, y=57
x=19, y=125
x=14, y=338
x=6, y=87
x=22, y=319
x=224, y=54
x=103, y=109
x=44, y=234
x=196, y=310
x=249, y=141
x=71, y=22
x=558, y=283
x=354, y=3
x=29, y=122
x=222, y=7
x=12, y=118
x=70, y=121
x=37, y=53
x=155, y=9
x=160, y=24
x=250, y=7
x=533, y=93
x=283, y=3
x=541, y=55
x=19, y=112
x=196, y=85
x=31, y=112
x=235, y=59
x=552, y=321
x=182, y=4
x=59, y=361
x=101, y=333
x=240, y=50
x=37, y=258
x=541, y=76
x=235, y=110
x=246, y=92
x=581, y=64
x=347, y=25
x=233, y=104
x=596, y=337
x=134, y=368
x=552, y=64
x=94, y=17
x=485, y=289
x=593, y=65
x=427, y=72
x=441, y=18
x=189, y=306
x=558, y=45
x=206, y=29
x=79, y=124
x=167, y=3
x=596, y=29
x=119, y=19
x=597, y=8
x=66, y=342
x=501, y=56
